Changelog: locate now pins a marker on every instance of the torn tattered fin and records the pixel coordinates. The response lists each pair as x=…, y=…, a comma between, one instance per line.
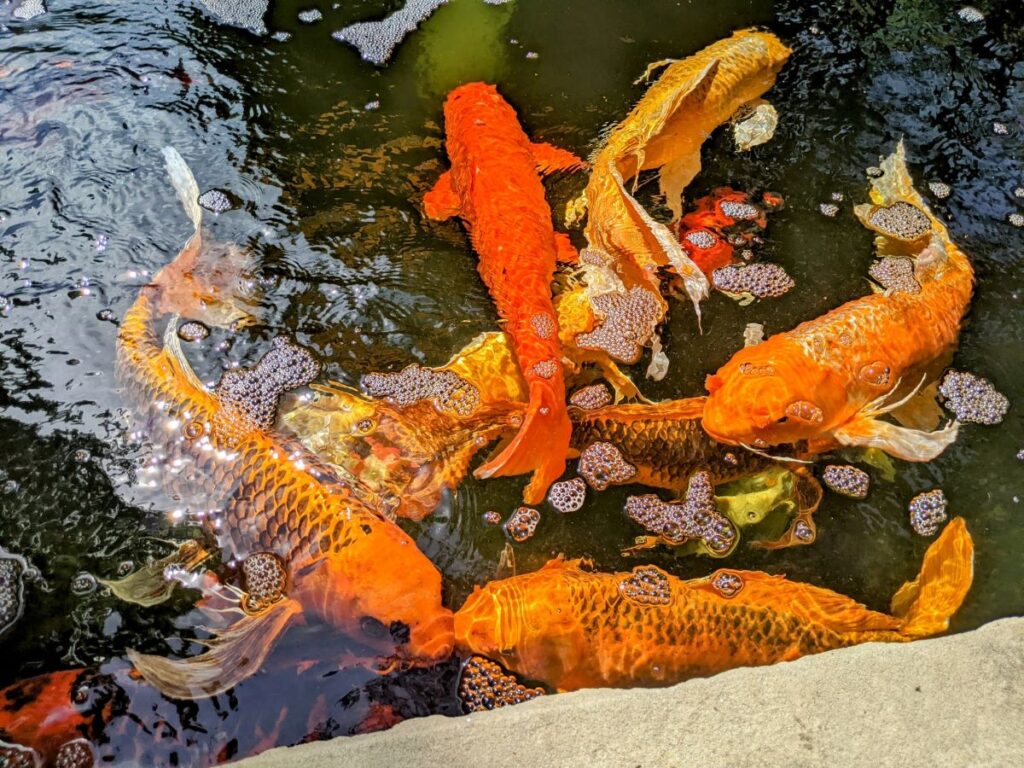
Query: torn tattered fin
x=903, y=443
x=922, y=411
x=552, y=159
x=441, y=202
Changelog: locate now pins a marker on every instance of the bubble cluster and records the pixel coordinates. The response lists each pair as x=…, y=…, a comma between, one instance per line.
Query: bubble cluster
x=192, y=330
x=12, y=570
x=1000, y=129
x=847, y=480
x=546, y=369
x=602, y=464
x=83, y=584
x=522, y=524
x=972, y=398
x=971, y=15
x=1016, y=219
x=247, y=14
x=802, y=531
x=492, y=518
x=696, y=518
x=895, y=273
x=928, y=512
x=727, y=583
x=901, y=221
x=543, y=325
x=257, y=391
x=75, y=754
x=17, y=756
x=310, y=16
x=29, y=9
x=265, y=579
x=485, y=685
x=376, y=40
x=568, y=495
x=591, y=397
x=761, y=280
x=940, y=189
x=445, y=389
x=738, y=211
x=829, y=209
x=629, y=320
x=702, y=238
x=647, y=585
x=215, y=201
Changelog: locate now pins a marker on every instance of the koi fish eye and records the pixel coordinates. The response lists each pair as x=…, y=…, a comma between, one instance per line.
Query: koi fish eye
x=373, y=627
x=802, y=410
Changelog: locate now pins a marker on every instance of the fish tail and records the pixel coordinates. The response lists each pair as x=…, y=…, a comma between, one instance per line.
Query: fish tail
x=540, y=446
x=202, y=284
x=233, y=655
x=927, y=603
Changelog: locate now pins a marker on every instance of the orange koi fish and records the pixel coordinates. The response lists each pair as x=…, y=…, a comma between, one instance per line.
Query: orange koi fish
x=494, y=187
x=574, y=629
x=830, y=379
x=665, y=132
x=311, y=543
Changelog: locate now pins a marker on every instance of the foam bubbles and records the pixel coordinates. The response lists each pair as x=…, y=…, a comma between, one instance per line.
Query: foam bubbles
x=376, y=40
x=928, y=512
x=522, y=524
x=696, y=518
x=895, y=273
x=762, y=280
x=591, y=397
x=484, y=685
x=602, y=464
x=972, y=398
x=265, y=578
x=257, y=391
x=568, y=495
x=847, y=480
x=901, y=221
x=629, y=321
x=647, y=585
x=445, y=389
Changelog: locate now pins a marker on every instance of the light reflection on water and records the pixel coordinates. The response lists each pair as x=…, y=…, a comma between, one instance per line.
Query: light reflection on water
x=329, y=201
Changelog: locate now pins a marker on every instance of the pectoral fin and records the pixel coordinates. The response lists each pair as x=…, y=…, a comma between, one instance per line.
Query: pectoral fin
x=442, y=202
x=903, y=443
x=674, y=178
x=922, y=411
x=551, y=159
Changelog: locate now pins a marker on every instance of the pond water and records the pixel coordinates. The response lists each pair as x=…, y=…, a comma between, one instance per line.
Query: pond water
x=328, y=158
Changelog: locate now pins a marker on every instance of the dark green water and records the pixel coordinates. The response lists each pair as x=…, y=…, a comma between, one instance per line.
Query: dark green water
x=330, y=195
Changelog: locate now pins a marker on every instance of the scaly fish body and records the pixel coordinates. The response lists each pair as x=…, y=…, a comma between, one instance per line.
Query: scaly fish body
x=575, y=629
x=494, y=187
x=828, y=379
x=345, y=563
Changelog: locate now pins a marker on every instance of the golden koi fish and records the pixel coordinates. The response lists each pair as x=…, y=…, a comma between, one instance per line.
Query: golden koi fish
x=830, y=380
x=574, y=629
x=310, y=542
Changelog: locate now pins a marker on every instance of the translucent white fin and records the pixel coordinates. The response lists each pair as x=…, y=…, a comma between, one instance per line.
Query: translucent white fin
x=903, y=443
x=184, y=184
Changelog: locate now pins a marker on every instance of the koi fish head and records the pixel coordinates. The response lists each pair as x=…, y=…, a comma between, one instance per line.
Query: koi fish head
x=378, y=587
x=765, y=396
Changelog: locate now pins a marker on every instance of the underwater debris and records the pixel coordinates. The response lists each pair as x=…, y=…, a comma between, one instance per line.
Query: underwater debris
x=629, y=321
x=895, y=273
x=12, y=590
x=446, y=390
x=492, y=518
x=727, y=583
x=762, y=280
x=152, y=584
x=647, y=585
x=602, y=464
x=376, y=40
x=522, y=524
x=756, y=128
x=753, y=334
x=874, y=172
x=1017, y=219
x=29, y=9
x=568, y=495
x=900, y=221
x=591, y=397
x=928, y=512
x=973, y=399
x=265, y=579
x=311, y=16
x=847, y=480
x=829, y=209
x=215, y=201
x=247, y=14
x=940, y=189
x=485, y=685
x=694, y=519
x=971, y=15
x=256, y=391
x=192, y=330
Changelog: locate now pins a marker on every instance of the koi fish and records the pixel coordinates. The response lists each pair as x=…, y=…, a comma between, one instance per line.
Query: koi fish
x=494, y=187
x=574, y=629
x=830, y=380
x=664, y=132
x=311, y=542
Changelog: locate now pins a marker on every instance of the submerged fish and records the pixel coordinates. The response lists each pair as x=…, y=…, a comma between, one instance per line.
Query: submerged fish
x=310, y=542
x=830, y=380
x=665, y=132
x=573, y=629
x=494, y=187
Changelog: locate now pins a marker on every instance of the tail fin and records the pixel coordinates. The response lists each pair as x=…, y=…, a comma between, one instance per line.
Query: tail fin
x=203, y=283
x=540, y=446
x=234, y=655
x=927, y=603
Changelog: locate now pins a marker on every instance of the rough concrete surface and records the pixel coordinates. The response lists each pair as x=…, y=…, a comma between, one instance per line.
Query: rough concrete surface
x=952, y=701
